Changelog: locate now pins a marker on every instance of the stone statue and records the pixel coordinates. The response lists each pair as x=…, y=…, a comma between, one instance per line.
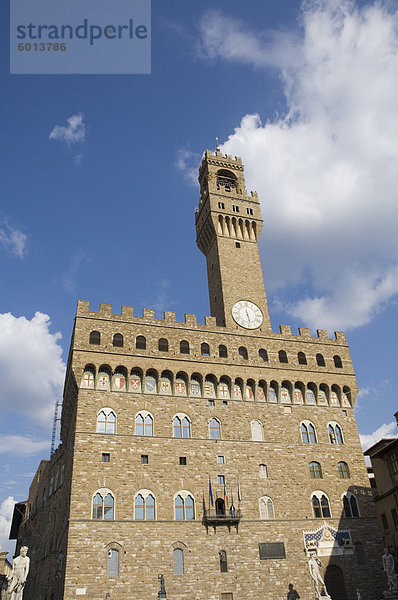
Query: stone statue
x=292, y=593
x=389, y=568
x=358, y=593
x=20, y=570
x=162, y=591
x=313, y=566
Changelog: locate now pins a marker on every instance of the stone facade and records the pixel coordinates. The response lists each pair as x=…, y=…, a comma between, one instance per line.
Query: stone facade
x=384, y=459
x=156, y=412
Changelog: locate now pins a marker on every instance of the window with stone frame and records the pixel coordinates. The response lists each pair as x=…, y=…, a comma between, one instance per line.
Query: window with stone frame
x=315, y=470
x=302, y=359
x=113, y=562
x=106, y=421
x=223, y=561
x=214, y=429
x=144, y=506
x=320, y=505
x=184, y=506
x=344, y=471
x=350, y=505
x=140, y=342
x=118, y=340
x=103, y=505
x=95, y=338
x=308, y=433
x=144, y=424
x=178, y=561
x=181, y=426
x=335, y=433
x=266, y=508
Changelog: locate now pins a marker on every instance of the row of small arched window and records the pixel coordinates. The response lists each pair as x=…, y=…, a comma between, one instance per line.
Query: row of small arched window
x=181, y=424
x=210, y=386
x=222, y=351
x=103, y=506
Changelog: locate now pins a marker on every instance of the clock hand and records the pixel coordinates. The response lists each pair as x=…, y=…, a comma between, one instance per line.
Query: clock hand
x=247, y=314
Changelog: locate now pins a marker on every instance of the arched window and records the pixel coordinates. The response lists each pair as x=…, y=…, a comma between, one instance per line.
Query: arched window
x=95, y=338
x=337, y=362
x=144, y=424
x=178, y=561
x=308, y=433
x=106, y=421
x=215, y=429
x=315, y=470
x=140, y=342
x=118, y=341
x=144, y=506
x=205, y=349
x=282, y=356
x=184, y=507
x=103, y=505
x=257, y=431
x=184, y=347
x=350, y=505
x=320, y=505
x=320, y=361
x=163, y=345
x=226, y=180
x=266, y=508
x=335, y=433
x=223, y=561
x=263, y=354
x=302, y=359
x=220, y=507
x=181, y=427
x=113, y=563
x=222, y=351
x=243, y=352
x=344, y=471
x=262, y=471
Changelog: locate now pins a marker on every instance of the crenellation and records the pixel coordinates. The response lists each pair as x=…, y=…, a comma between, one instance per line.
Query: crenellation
x=190, y=320
x=127, y=312
x=285, y=329
x=105, y=310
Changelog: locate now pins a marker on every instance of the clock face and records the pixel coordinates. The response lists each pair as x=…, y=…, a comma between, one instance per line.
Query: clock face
x=247, y=314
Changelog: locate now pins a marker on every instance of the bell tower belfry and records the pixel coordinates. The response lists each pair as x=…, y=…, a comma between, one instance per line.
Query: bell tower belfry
x=228, y=225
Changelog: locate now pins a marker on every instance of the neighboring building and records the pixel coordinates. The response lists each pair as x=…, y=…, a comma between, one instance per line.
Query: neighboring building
x=219, y=454
x=384, y=459
x=5, y=573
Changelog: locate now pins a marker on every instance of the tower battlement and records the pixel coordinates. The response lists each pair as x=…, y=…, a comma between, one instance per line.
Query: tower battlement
x=191, y=322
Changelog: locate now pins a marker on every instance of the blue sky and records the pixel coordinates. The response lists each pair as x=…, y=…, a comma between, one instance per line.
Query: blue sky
x=99, y=190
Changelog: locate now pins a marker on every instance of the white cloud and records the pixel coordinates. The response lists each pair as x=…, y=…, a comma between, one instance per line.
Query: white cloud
x=222, y=37
x=18, y=445
x=6, y=511
x=388, y=430
x=73, y=133
x=188, y=162
x=13, y=240
x=326, y=172
x=31, y=367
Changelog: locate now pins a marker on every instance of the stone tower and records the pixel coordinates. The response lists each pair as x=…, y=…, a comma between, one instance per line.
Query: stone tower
x=228, y=225
x=219, y=454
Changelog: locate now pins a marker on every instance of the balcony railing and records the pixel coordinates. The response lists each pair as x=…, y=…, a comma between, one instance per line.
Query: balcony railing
x=213, y=518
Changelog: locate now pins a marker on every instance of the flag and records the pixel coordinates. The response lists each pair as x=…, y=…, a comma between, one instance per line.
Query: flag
x=210, y=493
x=225, y=494
x=239, y=494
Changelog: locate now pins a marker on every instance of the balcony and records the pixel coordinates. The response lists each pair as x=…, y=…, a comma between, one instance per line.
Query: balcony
x=214, y=518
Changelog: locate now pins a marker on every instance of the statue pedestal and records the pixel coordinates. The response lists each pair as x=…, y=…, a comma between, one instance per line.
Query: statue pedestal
x=390, y=594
